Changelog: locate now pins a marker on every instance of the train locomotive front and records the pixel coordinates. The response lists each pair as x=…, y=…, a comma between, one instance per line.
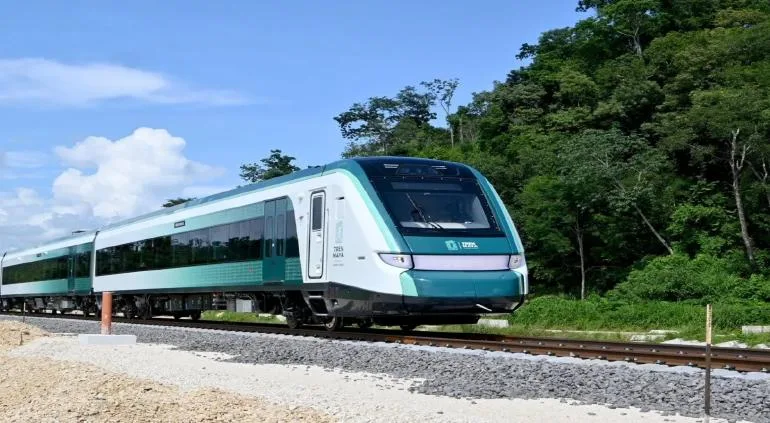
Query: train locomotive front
x=457, y=253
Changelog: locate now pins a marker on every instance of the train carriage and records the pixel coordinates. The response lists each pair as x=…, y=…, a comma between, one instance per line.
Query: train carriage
x=56, y=276
x=386, y=240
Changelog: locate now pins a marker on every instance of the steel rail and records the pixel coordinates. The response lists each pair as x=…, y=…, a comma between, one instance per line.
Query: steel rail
x=737, y=359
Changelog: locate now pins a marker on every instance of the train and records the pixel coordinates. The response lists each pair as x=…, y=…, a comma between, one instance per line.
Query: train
x=387, y=241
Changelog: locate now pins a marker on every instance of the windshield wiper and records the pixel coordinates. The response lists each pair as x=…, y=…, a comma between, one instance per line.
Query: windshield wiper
x=422, y=215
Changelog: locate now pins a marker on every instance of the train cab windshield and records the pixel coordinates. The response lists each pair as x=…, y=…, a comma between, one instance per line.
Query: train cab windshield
x=435, y=200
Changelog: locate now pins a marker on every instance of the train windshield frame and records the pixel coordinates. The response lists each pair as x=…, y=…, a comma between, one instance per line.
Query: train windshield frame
x=437, y=206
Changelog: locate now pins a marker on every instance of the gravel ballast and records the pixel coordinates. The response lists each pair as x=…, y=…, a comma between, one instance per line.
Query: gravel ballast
x=474, y=374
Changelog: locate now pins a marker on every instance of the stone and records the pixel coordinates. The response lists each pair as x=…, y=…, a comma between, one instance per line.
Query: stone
x=93, y=339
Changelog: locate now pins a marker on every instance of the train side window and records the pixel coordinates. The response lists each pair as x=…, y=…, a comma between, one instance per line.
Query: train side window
x=292, y=243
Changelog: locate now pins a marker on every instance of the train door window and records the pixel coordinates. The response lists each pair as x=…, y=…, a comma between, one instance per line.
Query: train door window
x=280, y=227
x=269, y=236
x=280, y=235
x=269, y=228
x=318, y=212
x=256, y=232
x=317, y=234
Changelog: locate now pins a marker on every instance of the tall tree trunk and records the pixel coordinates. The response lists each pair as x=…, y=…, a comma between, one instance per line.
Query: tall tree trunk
x=451, y=134
x=461, y=129
x=653, y=230
x=581, y=252
x=736, y=167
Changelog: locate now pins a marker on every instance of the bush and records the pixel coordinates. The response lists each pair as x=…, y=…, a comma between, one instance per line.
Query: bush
x=703, y=279
x=597, y=313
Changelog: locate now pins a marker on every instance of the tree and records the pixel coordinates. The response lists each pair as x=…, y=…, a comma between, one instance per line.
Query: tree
x=443, y=91
x=379, y=123
x=558, y=215
x=176, y=201
x=275, y=165
x=640, y=134
x=726, y=115
x=633, y=171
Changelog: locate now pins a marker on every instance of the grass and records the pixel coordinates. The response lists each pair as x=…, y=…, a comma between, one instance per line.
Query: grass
x=601, y=319
x=235, y=316
x=600, y=314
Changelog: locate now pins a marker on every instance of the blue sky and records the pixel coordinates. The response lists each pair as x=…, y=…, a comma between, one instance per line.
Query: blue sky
x=233, y=79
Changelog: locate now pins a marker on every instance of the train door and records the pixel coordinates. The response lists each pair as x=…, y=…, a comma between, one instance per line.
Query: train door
x=315, y=256
x=274, y=256
x=71, y=263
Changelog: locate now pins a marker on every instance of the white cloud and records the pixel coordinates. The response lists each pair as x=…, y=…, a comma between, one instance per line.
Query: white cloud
x=105, y=181
x=22, y=159
x=132, y=174
x=26, y=219
x=20, y=164
x=52, y=82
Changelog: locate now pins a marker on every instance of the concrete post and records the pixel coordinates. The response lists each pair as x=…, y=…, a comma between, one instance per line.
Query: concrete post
x=106, y=313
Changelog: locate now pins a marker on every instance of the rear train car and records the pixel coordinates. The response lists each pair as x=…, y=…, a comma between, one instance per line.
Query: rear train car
x=55, y=276
x=387, y=240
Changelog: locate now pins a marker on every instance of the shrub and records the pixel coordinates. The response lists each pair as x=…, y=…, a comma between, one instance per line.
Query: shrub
x=704, y=279
x=597, y=313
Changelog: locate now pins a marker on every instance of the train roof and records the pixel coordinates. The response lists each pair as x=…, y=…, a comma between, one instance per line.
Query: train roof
x=363, y=162
x=369, y=164
x=79, y=238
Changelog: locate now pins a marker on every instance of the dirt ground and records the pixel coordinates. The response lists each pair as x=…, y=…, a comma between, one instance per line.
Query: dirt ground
x=57, y=391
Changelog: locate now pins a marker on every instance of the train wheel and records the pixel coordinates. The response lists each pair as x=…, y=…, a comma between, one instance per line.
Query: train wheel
x=146, y=312
x=335, y=323
x=129, y=311
x=195, y=315
x=408, y=328
x=365, y=323
x=292, y=322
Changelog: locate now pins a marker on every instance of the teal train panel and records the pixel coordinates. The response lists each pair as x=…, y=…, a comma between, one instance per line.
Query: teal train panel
x=49, y=287
x=82, y=285
x=213, y=276
x=293, y=270
x=460, y=284
x=458, y=245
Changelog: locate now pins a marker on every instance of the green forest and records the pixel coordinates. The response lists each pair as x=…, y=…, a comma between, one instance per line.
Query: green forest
x=633, y=151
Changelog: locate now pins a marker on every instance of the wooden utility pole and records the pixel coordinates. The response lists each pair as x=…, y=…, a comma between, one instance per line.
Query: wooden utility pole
x=106, y=313
x=708, y=361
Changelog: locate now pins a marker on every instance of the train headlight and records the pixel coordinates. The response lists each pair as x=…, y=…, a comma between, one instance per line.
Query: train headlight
x=515, y=261
x=403, y=261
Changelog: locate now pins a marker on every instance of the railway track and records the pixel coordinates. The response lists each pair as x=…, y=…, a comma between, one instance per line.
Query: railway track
x=737, y=359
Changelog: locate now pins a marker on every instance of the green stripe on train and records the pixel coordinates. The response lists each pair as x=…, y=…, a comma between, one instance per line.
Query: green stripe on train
x=212, y=276
x=49, y=287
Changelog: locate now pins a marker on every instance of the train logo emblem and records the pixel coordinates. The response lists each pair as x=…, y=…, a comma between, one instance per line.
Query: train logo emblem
x=464, y=245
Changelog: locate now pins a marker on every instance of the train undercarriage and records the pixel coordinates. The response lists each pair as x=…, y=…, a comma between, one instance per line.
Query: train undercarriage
x=299, y=308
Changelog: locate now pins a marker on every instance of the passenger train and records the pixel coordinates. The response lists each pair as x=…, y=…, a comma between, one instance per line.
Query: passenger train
x=391, y=241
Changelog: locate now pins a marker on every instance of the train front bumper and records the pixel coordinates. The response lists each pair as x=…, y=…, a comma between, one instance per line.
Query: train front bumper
x=434, y=293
